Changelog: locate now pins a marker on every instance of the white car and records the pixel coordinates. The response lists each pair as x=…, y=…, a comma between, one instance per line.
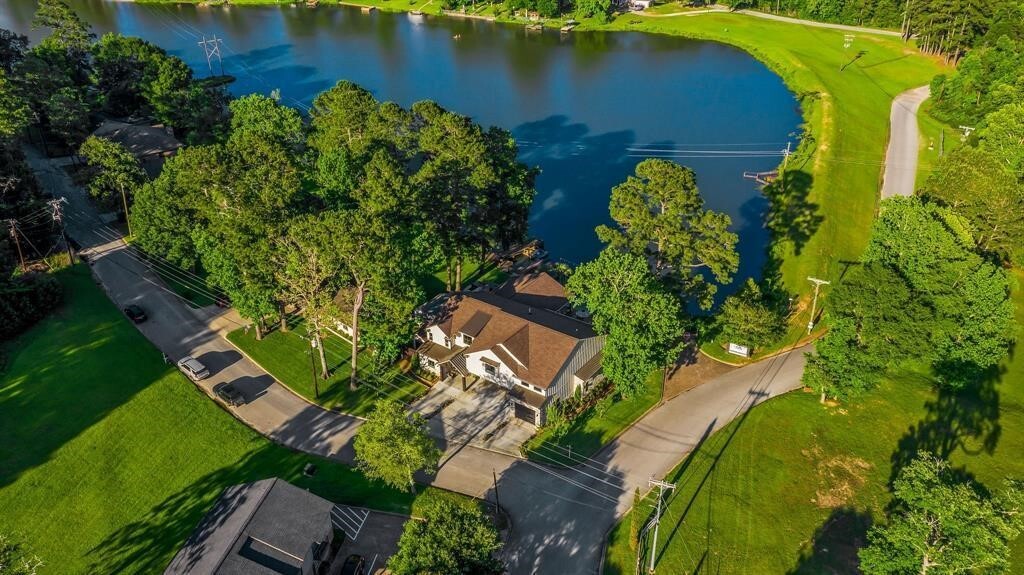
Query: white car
x=192, y=368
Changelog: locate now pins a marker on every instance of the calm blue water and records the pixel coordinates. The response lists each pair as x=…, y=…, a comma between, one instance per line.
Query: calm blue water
x=586, y=107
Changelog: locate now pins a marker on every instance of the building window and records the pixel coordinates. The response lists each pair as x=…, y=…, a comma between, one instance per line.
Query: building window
x=490, y=370
x=430, y=334
x=467, y=340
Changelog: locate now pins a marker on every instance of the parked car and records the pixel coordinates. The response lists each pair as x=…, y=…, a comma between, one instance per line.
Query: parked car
x=192, y=368
x=229, y=394
x=354, y=565
x=135, y=313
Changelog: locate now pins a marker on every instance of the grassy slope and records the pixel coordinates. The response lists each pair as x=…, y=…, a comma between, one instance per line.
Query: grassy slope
x=285, y=356
x=932, y=142
x=588, y=432
x=793, y=486
x=109, y=458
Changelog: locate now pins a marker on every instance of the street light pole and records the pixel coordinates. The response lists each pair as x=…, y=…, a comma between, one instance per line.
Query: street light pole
x=814, y=306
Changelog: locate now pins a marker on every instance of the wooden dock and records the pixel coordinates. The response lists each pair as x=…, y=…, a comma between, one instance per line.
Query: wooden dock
x=763, y=178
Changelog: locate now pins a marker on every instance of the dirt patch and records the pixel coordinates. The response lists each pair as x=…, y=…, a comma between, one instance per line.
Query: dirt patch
x=839, y=477
x=692, y=369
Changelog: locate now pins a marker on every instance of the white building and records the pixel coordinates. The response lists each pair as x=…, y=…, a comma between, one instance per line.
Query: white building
x=536, y=353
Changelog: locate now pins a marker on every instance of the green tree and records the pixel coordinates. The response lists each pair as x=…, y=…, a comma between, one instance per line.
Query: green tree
x=977, y=185
x=340, y=117
x=13, y=48
x=14, y=111
x=116, y=174
x=452, y=538
x=15, y=560
x=380, y=262
x=943, y=525
x=749, y=318
x=68, y=34
x=307, y=271
x=1003, y=136
x=392, y=445
x=921, y=292
x=661, y=216
x=454, y=178
x=588, y=8
x=267, y=118
x=640, y=318
x=67, y=113
x=123, y=68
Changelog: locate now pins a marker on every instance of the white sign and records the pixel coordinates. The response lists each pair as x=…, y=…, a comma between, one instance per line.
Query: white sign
x=737, y=349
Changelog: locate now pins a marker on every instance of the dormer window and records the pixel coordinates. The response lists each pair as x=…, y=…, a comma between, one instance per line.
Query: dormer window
x=467, y=340
x=430, y=334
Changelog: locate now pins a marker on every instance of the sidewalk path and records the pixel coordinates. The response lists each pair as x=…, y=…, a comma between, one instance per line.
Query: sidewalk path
x=777, y=18
x=560, y=516
x=901, y=154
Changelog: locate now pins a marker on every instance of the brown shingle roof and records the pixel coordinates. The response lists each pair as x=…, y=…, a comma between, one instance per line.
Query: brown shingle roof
x=536, y=289
x=541, y=340
x=141, y=140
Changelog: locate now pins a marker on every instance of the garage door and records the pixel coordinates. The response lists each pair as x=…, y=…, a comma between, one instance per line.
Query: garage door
x=525, y=412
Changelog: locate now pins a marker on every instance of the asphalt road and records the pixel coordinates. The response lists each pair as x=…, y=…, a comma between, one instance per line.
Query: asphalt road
x=560, y=516
x=901, y=154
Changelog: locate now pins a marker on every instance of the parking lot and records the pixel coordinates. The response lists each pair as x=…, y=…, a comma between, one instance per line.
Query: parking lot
x=371, y=534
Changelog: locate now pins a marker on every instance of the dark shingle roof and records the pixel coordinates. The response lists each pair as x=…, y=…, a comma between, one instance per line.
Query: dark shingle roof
x=260, y=528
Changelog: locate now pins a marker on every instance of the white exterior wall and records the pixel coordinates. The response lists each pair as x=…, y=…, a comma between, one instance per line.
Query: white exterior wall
x=504, y=377
x=566, y=380
x=437, y=336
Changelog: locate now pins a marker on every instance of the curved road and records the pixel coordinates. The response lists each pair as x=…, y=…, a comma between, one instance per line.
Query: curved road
x=901, y=154
x=560, y=517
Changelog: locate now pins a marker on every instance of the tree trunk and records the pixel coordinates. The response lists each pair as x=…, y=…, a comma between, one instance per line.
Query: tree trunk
x=357, y=304
x=412, y=484
x=823, y=398
x=448, y=281
x=259, y=329
x=284, y=318
x=458, y=273
x=324, y=371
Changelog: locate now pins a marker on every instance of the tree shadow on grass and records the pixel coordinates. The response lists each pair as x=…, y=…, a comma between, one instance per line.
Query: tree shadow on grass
x=791, y=215
x=835, y=544
x=964, y=421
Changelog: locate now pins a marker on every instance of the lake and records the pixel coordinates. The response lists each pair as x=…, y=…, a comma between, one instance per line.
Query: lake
x=585, y=107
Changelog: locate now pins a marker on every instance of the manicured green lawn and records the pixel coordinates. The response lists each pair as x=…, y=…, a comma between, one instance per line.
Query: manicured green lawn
x=472, y=271
x=792, y=486
x=590, y=432
x=109, y=457
x=285, y=355
x=937, y=138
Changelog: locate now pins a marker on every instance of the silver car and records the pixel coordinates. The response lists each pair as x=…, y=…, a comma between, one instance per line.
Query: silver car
x=192, y=368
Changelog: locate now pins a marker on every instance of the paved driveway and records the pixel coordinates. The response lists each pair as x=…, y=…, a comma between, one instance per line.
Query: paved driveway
x=480, y=416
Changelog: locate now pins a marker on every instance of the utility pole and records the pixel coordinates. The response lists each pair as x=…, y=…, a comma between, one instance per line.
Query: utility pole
x=494, y=474
x=814, y=306
x=13, y=223
x=785, y=155
x=662, y=486
x=211, y=48
x=58, y=216
x=127, y=219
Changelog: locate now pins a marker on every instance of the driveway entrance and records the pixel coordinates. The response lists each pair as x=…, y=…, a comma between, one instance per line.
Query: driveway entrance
x=480, y=416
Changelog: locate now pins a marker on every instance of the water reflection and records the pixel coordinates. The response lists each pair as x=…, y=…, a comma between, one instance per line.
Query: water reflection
x=577, y=102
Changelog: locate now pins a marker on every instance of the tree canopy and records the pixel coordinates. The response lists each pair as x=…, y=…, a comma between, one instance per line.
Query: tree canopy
x=639, y=316
x=921, y=291
x=661, y=217
x=943, y=525
x=392, y=445
x=453, y=537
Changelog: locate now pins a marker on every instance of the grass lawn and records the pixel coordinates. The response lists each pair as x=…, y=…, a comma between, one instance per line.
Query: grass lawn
x=285, y=356
x=793, y=486
x=937, y=138
x=109, y=457
x=472, y=271
x=590, y=432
